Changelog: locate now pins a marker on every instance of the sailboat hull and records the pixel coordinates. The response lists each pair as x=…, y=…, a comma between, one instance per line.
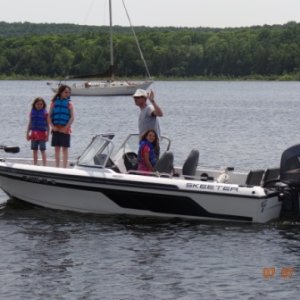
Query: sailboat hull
x=105, y=88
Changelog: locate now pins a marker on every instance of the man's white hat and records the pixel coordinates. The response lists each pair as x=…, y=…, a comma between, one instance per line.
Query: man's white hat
x=140, y=93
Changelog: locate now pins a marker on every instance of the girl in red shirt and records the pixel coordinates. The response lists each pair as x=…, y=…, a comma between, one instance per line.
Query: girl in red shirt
x=38, y=129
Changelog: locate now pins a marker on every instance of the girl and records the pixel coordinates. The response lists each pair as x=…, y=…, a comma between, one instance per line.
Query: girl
x=61, y=116
x=147, y=151
x=38, y=129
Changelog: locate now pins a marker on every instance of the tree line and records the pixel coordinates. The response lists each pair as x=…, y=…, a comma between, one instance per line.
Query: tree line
x=59, y=50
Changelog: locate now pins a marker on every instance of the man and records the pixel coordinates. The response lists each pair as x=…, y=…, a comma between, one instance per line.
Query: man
x=149, y=112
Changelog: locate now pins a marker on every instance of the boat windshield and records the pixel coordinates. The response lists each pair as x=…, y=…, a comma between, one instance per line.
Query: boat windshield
x=98, y=152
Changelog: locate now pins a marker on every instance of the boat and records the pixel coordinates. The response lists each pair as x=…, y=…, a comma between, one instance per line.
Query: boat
x=110, y=86
x=105, y=88
x=106, y=182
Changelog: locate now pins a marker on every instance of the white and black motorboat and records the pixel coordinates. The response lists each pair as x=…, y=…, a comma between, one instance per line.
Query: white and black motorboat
x=104, y=181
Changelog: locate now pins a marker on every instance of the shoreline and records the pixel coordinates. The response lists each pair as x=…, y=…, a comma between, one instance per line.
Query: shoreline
x=285, y=77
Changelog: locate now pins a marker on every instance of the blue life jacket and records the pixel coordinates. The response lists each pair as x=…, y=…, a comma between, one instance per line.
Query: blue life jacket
x=38, y=120
x=152, y=156
x=61, y=112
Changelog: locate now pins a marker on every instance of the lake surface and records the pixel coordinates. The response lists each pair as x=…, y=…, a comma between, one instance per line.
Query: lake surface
x=47, y=254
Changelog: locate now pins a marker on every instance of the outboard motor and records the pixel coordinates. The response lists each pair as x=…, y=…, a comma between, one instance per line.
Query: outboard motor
x=290, y=175
x=290, y=166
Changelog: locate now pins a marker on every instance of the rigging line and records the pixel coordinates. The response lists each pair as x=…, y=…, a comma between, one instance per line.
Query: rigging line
x=88, y=11
x=136, y=40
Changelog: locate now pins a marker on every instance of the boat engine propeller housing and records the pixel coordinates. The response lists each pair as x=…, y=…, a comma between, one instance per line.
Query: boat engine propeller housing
x=290, y=181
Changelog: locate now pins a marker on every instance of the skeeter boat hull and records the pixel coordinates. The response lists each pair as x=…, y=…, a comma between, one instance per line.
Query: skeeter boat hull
x=90, y=187
x=108, y=193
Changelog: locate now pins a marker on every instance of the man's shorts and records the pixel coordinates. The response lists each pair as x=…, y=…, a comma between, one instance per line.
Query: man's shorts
x=36, y=145
x=60, y=139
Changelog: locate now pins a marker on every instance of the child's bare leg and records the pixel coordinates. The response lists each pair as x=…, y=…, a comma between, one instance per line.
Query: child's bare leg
x=44, y=157
x=65, y=153
x=35, y=157
x=57, y=156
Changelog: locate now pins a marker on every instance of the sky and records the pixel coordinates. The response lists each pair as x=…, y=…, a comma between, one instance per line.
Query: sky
x=179, y=13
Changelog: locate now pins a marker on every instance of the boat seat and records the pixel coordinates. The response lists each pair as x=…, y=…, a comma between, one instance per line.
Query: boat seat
x=99, y=160
x=255, y=177
x=165, y=163
x=130, y=161
x=190, y=165
x=271, y=176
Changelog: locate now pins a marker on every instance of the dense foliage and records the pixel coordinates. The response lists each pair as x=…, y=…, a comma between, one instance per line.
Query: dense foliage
x=57, y=50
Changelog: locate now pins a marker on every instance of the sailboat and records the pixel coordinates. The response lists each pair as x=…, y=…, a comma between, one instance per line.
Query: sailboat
x=109, y=87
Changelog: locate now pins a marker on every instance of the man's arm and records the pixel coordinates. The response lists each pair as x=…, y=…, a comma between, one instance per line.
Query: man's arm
x=157, y=110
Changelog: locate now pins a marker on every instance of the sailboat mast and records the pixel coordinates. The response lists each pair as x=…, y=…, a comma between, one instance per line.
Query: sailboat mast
x=111, y=46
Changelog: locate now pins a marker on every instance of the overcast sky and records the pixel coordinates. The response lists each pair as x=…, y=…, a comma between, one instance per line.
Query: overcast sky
x=191, y=13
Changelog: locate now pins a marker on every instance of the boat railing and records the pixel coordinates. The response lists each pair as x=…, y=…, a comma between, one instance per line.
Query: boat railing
x=171, y=175
x=153, y=174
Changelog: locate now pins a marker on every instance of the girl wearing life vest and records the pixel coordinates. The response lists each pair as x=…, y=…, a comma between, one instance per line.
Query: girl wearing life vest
x=38, y=129
x=61, y=116
x=147, y=149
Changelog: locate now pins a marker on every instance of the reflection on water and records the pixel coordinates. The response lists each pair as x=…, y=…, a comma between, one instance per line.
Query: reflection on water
x=49, y=254
x=84, y=256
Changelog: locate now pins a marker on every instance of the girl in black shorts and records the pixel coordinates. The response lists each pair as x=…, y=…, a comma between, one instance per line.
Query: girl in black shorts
x=61, y=116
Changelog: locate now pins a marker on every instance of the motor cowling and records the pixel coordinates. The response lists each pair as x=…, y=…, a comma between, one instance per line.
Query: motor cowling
x=290, y=166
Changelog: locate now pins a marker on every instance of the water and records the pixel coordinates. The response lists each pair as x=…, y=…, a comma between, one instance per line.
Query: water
x=47, y=254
